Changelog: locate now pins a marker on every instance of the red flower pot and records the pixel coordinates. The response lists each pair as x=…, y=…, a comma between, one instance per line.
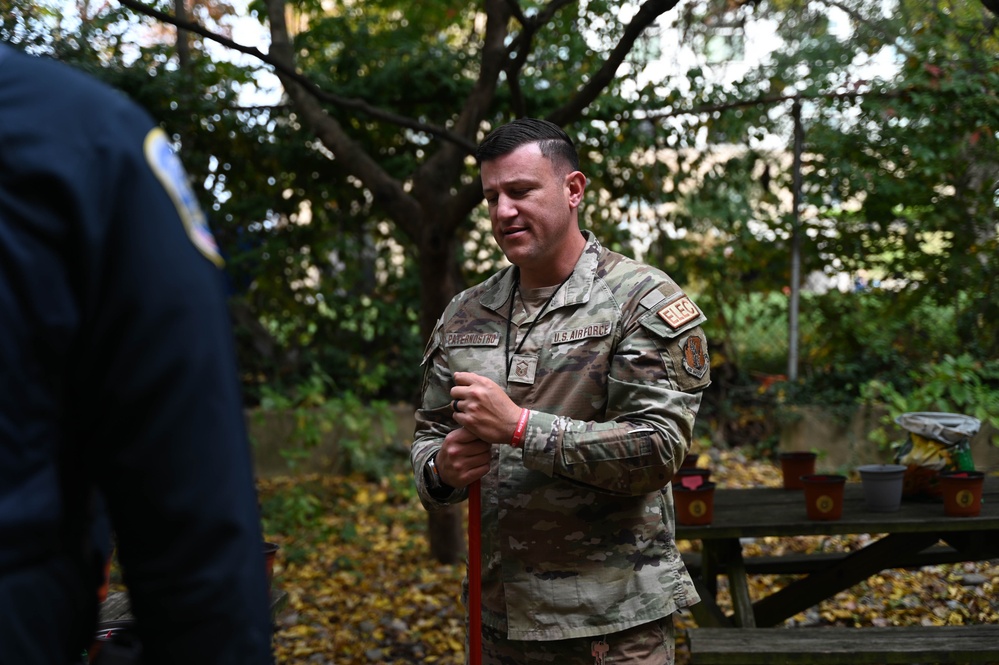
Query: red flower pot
x=691, y=478
x=962, y=492
x=794, y=465
x=824, y=496
x=694, y=506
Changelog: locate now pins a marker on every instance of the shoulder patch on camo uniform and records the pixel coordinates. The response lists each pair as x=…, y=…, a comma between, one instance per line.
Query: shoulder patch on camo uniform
x=670, y=315
x=679, y=312
x=691, y=364
x=675, y=319
x=170, y=172
x=695, y=356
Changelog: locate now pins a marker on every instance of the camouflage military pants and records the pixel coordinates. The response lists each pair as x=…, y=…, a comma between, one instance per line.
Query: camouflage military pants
x=648, y=644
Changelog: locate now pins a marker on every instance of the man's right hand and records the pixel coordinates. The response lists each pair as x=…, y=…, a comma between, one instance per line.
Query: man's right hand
x=463, y=458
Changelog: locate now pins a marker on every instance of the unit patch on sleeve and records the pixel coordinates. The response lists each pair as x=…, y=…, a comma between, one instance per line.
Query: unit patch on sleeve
x=170, y=172
x=695, y=357
x=679, y=312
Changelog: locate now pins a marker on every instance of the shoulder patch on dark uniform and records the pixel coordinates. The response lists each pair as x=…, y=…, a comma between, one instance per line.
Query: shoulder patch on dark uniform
x=170, y=172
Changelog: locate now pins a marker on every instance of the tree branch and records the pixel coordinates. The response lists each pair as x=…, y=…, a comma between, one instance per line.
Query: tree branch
x=387, y=191
x=647, y=14
x=290, y=73
x=773, y=101
x=444, y=167
x=521, y=45
x=862, y=20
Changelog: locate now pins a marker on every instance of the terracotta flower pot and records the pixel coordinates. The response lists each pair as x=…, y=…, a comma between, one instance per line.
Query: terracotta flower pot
x=694, y=506
x=824, y=496
x=882, y=485
x=691, y=478
x=962, y=492
x=794, y=465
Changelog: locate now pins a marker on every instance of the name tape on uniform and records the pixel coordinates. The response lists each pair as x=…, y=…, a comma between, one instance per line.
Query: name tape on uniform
x=471, y=339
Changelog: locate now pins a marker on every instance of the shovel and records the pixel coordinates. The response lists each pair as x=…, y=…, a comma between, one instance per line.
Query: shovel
x=475, y=574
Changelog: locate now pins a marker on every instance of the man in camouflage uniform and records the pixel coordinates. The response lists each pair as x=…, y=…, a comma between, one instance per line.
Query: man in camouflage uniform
x=568, y=384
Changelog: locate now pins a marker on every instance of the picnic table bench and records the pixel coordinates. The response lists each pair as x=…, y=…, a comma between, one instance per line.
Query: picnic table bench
x=918, y=534
x=857, y=646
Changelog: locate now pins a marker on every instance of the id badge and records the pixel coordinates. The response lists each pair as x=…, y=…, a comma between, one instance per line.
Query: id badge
x=523, y=369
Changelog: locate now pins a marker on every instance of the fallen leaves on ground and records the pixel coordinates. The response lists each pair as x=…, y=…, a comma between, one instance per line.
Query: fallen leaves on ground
x=362, y=587
x=361, y=584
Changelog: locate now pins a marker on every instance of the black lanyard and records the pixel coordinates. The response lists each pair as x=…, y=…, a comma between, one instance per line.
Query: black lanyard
x=509, y=319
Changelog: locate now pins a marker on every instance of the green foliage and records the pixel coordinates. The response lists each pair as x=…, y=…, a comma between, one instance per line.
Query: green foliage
x=751, y=332
x=368, y=435
x=848, y=338
x=899, y=162
x=847, y=341
x=337, y=292
x=898, y=179
x=954, y=384
x=851, y=344
x=291, y=509
x=363, y=434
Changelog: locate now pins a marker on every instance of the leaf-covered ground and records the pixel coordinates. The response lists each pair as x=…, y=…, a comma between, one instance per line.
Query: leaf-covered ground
x=362, y=587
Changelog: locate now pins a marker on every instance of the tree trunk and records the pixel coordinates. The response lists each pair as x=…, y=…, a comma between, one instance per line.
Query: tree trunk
x=445, y=528
x=446, y=531
x=183, y=49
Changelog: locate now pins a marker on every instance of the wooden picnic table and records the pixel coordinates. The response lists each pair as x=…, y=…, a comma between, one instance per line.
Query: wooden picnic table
x=917, y=534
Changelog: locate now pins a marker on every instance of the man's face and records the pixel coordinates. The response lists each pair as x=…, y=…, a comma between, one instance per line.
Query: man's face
x=533, y=211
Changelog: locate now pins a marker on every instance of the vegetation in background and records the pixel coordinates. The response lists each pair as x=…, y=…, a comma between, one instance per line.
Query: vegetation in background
x=953, y=384
x=858, y=349
x=344, y=234
x=889, y=189
x=350, y=216
x=364, y=431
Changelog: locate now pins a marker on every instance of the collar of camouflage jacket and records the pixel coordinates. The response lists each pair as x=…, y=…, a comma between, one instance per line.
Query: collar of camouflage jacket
x=497, y=293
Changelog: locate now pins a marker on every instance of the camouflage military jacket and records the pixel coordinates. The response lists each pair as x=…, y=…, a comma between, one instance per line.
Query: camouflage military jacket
x=577, y=523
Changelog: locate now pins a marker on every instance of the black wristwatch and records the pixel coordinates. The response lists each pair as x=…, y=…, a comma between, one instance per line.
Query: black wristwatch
x=437, y=488
x=431, y=475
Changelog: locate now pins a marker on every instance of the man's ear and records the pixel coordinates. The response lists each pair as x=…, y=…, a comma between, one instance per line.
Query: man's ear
x=575, y=185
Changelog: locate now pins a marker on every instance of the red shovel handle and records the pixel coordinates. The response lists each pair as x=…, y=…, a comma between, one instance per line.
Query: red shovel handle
x=474, y=574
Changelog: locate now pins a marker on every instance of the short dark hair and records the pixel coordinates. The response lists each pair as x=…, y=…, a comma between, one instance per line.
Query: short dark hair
x=555, y=144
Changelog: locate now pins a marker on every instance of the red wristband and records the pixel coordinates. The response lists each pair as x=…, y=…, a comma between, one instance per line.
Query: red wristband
x=518, y=432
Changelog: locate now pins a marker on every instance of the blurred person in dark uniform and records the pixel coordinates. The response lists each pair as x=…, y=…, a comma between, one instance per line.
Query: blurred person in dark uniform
x=118, y=387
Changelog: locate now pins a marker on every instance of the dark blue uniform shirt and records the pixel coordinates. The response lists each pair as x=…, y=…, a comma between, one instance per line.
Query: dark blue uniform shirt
x=117, y=384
